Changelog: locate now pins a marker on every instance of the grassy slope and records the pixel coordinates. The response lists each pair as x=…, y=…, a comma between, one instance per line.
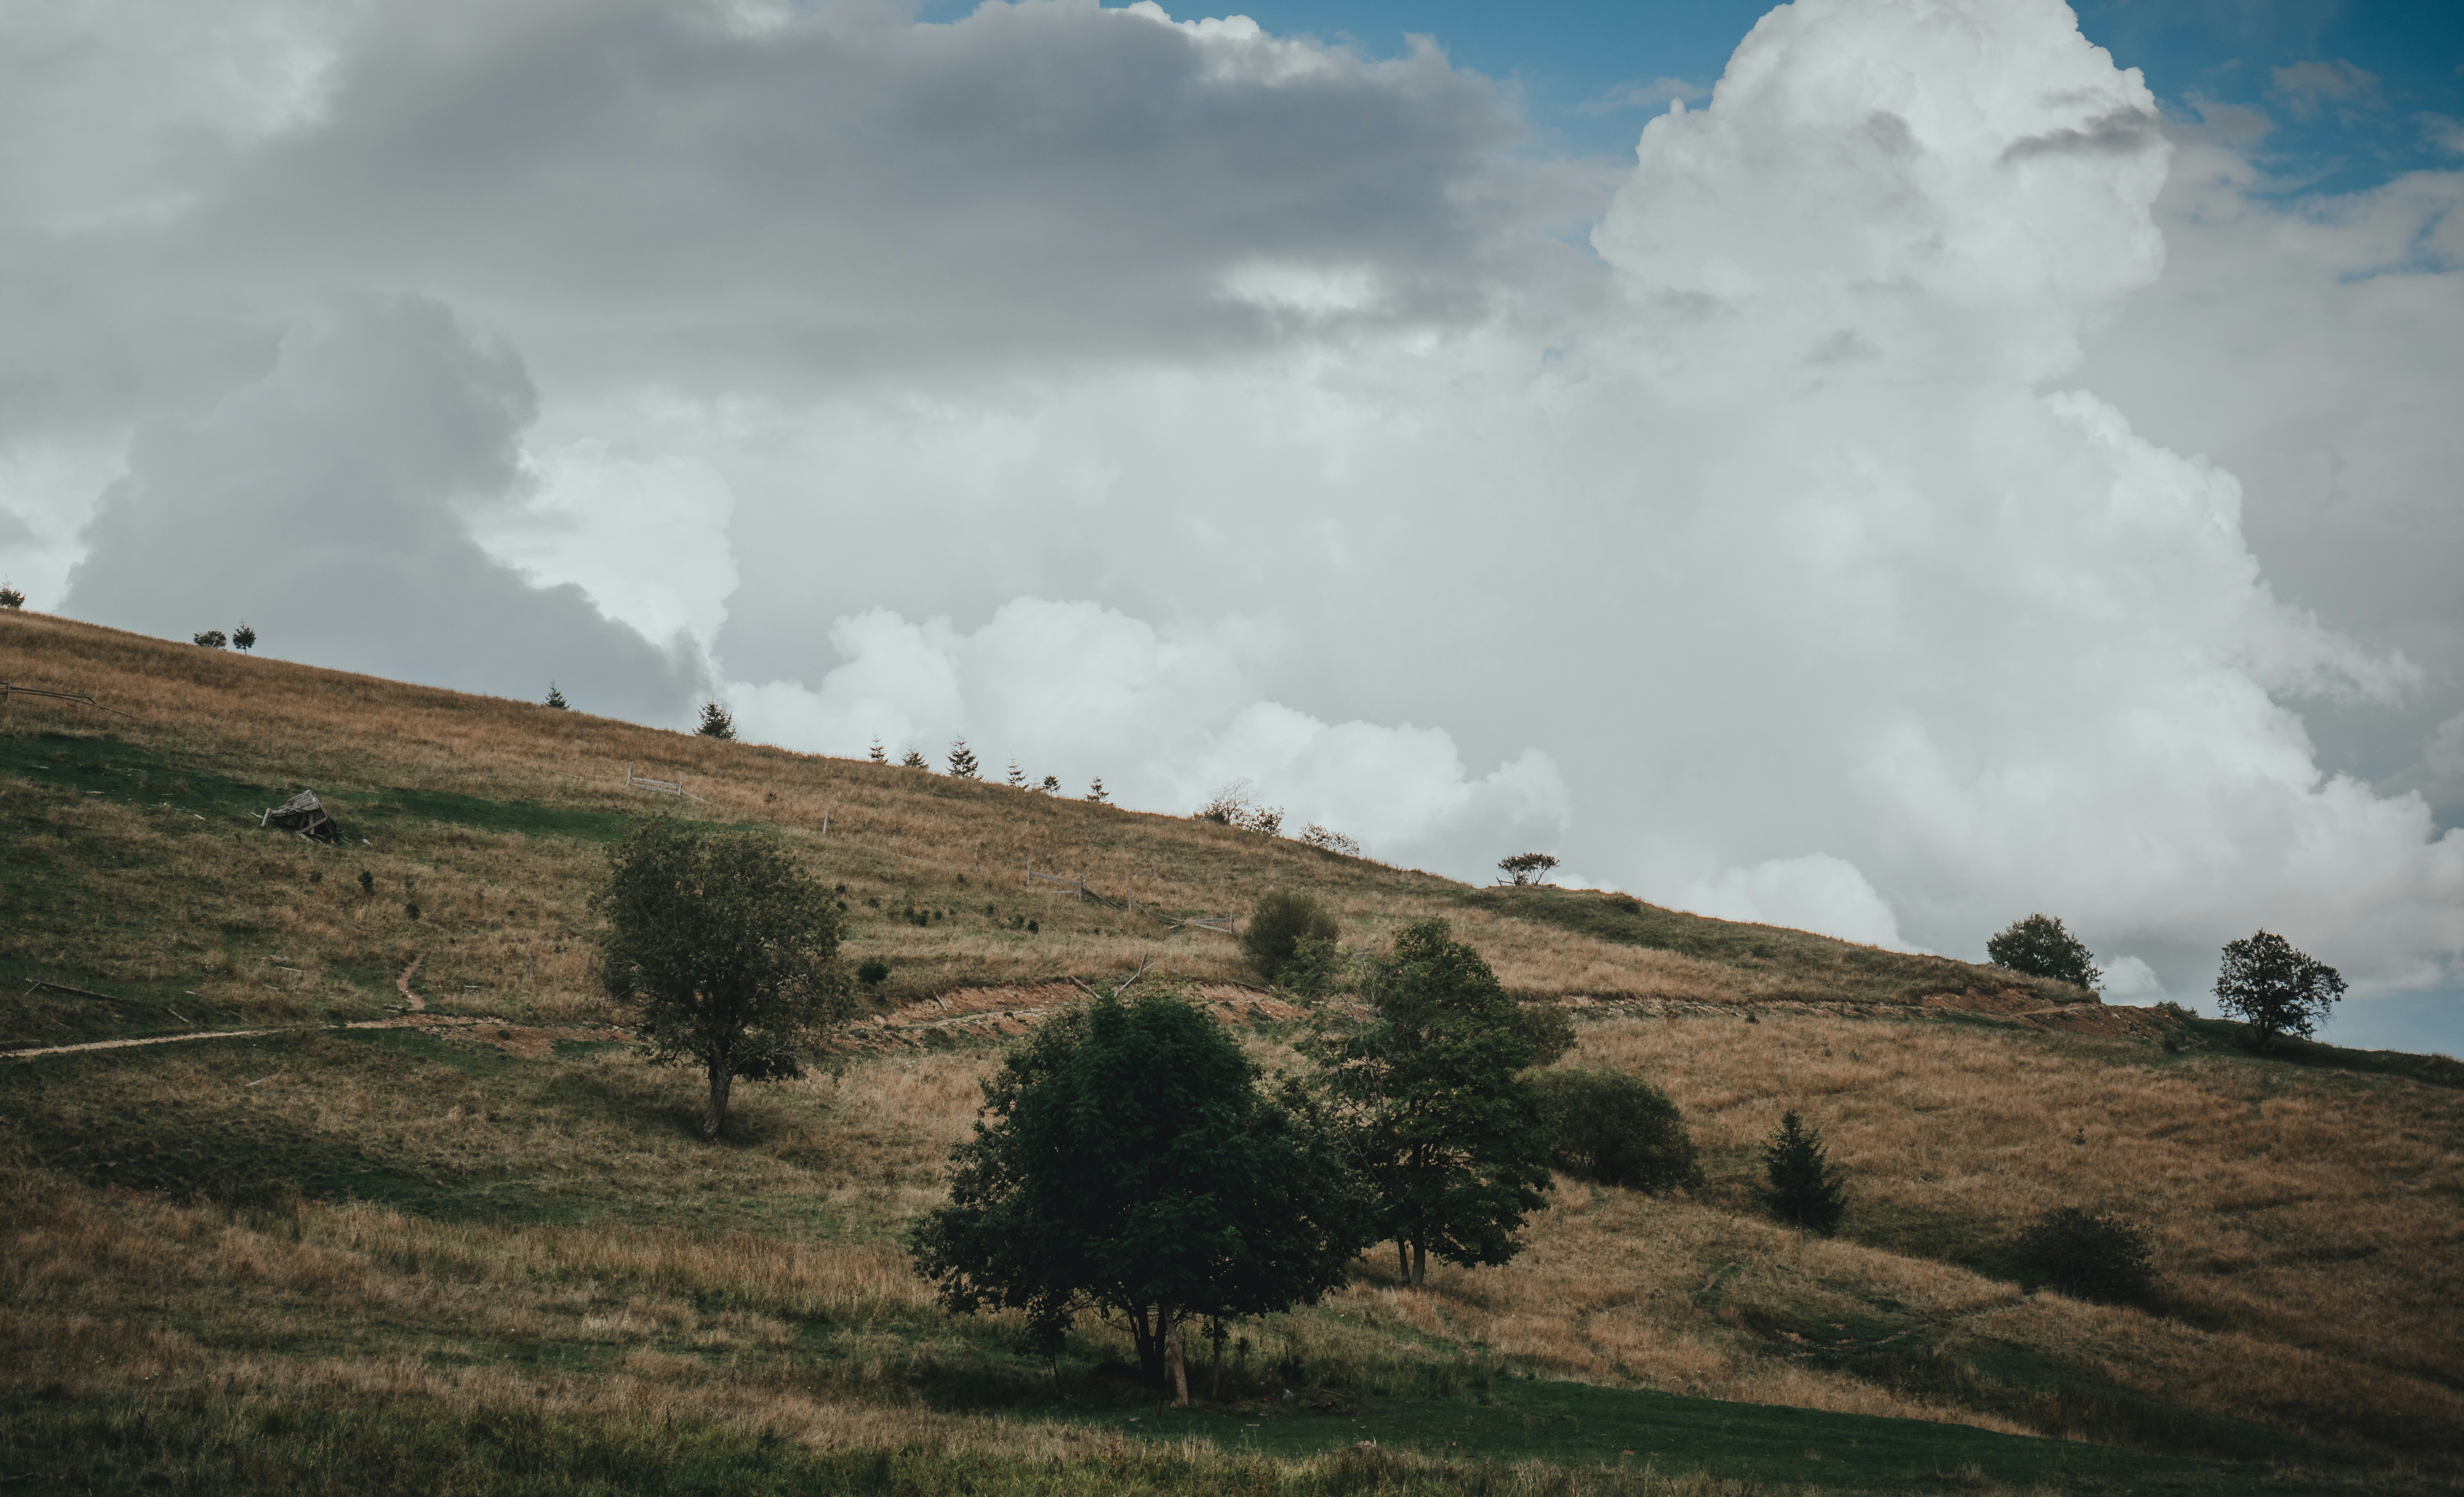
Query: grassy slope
x=491, y=1224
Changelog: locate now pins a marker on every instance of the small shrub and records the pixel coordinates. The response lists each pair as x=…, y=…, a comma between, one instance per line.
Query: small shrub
x=1277, y=927
x=874, y=973
x=1234, y=806
x=367, y=882
x=211, y=639
x=1616, y=1129
x=1526, y=869
x=1327, y=840
x=12, y=598
x=1319, y=965
x=1803, y=1189
x=716, y=722
x=2095, y=1257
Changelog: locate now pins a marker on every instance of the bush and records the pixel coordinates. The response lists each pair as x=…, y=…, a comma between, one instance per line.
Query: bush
x=211, y=639
x=1803, y=1189
x=1616, y=1129
x=2086, y=1257
x=1236, y=807
x=1277, y=927
x=243, y=637
x=1546, y=1029
x=2041, y=948
x=12, y=598
x=874, y=973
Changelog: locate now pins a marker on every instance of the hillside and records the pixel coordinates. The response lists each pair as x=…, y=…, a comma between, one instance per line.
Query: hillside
x=435, y=1222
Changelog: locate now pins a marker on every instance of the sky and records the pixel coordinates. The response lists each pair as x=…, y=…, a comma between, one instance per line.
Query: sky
x=1885, y=467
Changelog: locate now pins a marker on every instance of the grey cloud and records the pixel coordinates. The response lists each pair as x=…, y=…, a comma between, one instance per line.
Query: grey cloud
x=2122, y=132
x=852, y=187
x=327, y=504
x=2305, y=86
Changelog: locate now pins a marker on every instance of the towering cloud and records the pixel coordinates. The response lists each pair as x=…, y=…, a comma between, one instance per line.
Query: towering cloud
x=1174, y=402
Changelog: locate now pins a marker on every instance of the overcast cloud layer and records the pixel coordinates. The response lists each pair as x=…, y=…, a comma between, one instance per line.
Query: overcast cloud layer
x=1800, y=522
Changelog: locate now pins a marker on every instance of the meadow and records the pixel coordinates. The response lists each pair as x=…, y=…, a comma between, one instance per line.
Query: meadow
x=437, y=1227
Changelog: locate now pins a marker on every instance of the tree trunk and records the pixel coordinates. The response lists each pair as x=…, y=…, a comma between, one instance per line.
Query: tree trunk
x=1402, y=1260
x=1151, y=1368
x=715, y=1118
x=1181, y=1366
x=1420, y=1264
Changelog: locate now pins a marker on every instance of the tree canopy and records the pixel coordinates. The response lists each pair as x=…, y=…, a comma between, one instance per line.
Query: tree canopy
x=2278, y=989
x=722, y=949
x=1451, y=1134
x=1279, y=923
x=2041, y=948
x=1133, y=1163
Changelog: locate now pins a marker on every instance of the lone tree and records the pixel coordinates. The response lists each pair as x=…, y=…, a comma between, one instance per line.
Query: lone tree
x=243, y=637
x=716, y=722
x=10, y=597
x=1526, y=869
x=1096, y=791
x=556, y=697
x=1451, y=1134
x=2278, y=989
x=962, y=760
x=1803, y=1189
x=2039, y=947
x=1132, y=1165
x=210, y=639
x=1281, y=921
x=875, y=753
x=2086, y=1255
x=721, y=951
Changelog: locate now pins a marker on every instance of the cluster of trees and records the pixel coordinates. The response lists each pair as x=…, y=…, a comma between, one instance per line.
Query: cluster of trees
x=242, y=639
x=2261, y=978
x=1132, y=1161
x=1237, y=806
x=964, y=765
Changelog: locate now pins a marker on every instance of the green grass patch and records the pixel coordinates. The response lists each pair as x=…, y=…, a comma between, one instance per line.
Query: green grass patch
x=1581, y=1425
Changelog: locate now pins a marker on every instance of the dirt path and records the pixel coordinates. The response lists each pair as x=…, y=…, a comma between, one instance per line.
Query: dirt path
x=122, y=1044
x=402, y=983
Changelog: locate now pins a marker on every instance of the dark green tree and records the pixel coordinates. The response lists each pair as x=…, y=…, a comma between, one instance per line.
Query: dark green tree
x=716, y=722
x=10, y=597
x=962, y=760
x=243, y=637
x=721, y=952
x=2086, y=1256
x=1448, y=1129
x=211, y=639
x=1131, y=1164
x=556, y=697
x=2041, y=948
x=1526, y=869
x=1804, y=1190
x=1281, y=921
x=1617, y=1129
x=2277, y=989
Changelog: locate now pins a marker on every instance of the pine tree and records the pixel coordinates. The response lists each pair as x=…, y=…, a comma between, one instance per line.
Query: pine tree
x=1052, y=785
x=1017, y=776
x=716, y=722
x=243, y=637
x=962, y=760
x=915, y=759
x=555, y=698
x=1096, y=791
x=1804, y=1188
x=876, y=755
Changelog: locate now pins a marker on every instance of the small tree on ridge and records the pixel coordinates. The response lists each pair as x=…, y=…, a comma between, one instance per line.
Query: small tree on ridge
x=2041, y=948
x=2278, y=989
x=716, y=722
